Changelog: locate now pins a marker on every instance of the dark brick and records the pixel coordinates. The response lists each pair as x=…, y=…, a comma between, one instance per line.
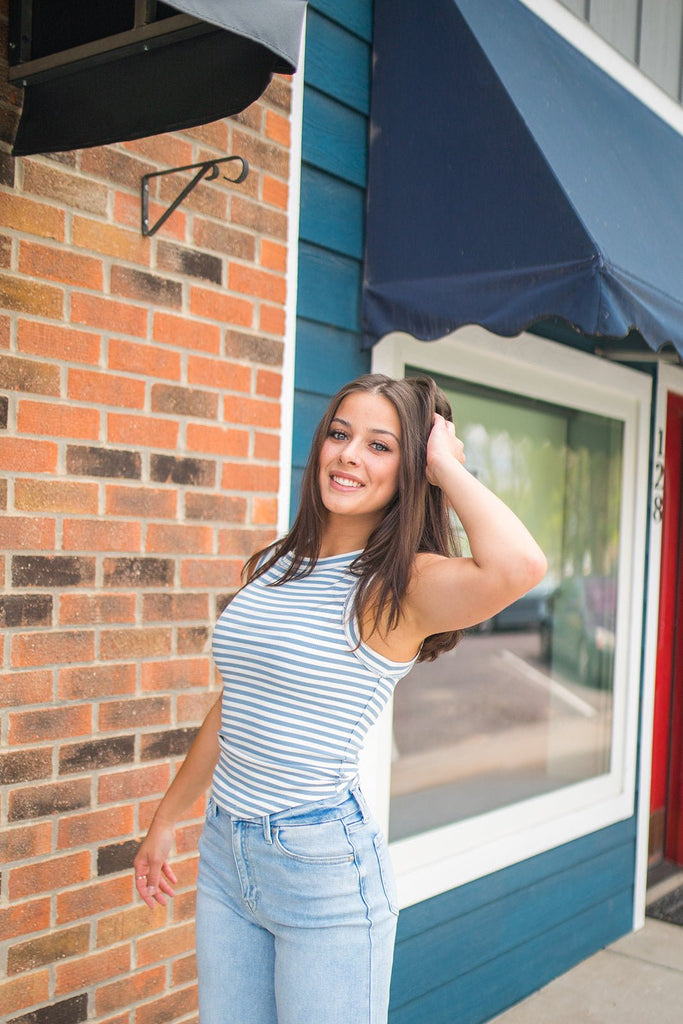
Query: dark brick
x=56, y=798
x=25, y=610
x=7, y=165
x=4, y=409
x=167, y=469
x=138, y=572
x=75, y=757
x=172, y=743
x=58, y=945
x=222, y=602
x=255, y=349
x=215, y=507
x=192, y=639
x=67, y=1011
x=116, y=857
x=19, y=374
x=138, y=284
x=82, y=460
x=189, y=262
x=180, y=401
x=52, y=571
x=25, y=765
x=3, y=494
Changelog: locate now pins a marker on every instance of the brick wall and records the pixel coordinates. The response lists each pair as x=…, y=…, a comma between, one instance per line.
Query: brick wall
x=140, y=385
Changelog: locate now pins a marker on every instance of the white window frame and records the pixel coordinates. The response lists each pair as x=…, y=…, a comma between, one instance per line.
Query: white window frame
x=442, y=858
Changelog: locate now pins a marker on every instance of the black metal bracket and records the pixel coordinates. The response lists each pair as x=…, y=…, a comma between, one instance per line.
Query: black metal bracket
x=207, y=170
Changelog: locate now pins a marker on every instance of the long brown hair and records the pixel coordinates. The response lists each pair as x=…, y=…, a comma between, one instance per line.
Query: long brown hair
x=417, y=519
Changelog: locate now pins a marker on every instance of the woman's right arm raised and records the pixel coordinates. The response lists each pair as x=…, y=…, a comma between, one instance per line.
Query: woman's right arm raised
x=154, y=876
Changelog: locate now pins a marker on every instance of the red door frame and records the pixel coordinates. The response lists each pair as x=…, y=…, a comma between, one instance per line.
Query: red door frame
x=667, y=754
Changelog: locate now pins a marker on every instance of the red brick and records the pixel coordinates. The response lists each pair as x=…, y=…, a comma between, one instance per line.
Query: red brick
x=30, y=217
x=174, y=330
x=58, y=264
x=21, y=455
x=127, y=211
x=251, y=411
x=273, y=255
x=264, y=511
x=275, y=192
x=175, y=607
x=50, y=724
x=101, y=535
x=184, y=970
x=150, y=431
x=53, y=420
x=17, y=688
x=134, y=643
x=91, y=609
x=87, y=900
x=207, y=439
x=218, y=373
x=63, y=343
x=194, y=707
x=267, y=447
x=181, y=538
x=89, y=970
x=187, y=837
x=277, y=128
x=54, y=648
x=261, y=283
x=26, y=917
x=24, y=992
x=111, y=240
x=224, y=239
x=272, y=319
x=96, y=681
x=243, y=543
x=104, y=313
x=261, y=153
x=147, y=502
x=214, y=134
x=25, y=841
x=152, y=949
x=238, y=476
x=259, y=218
x=134, y=712
x=131, y=785
x=94, y=827
x=29, y=296
x=55, y=496
x=48, y=875
x=173, y=675
x=219, y=306
x=217, y=572
x=126, y=924
x=149, y=360
x=165, y=149
x=130, y=990
x=268, y=383
x=21, y=533
x=169, y=1007
x=71, y=190
x=106, y=389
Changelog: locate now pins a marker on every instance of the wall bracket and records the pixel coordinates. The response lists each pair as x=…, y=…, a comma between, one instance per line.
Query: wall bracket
x=208, y=170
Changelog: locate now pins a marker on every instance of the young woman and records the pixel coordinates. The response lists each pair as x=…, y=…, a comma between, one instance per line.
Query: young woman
x=296, y=907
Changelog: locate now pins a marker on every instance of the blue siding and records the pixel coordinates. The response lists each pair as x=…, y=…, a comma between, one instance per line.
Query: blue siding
x=467, y=954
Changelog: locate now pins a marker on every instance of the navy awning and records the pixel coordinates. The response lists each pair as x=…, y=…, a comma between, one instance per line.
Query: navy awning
x=512, y=180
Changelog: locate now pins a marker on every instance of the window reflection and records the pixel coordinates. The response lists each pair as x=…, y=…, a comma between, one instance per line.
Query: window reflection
x=524, y=705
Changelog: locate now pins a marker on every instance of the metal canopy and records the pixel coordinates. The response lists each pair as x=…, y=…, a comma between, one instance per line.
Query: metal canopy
x=512, y=180
x=208, y=61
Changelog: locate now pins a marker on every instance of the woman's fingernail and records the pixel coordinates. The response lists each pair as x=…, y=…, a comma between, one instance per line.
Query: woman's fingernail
x=151, y=889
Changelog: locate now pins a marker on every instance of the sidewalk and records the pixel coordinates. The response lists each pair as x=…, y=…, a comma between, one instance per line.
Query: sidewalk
x=635, y=980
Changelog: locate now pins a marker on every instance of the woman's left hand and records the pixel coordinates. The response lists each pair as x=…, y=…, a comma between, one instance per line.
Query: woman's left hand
x=442, y=445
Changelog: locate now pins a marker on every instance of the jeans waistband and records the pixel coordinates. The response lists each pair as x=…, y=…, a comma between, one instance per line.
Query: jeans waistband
x=331, y=809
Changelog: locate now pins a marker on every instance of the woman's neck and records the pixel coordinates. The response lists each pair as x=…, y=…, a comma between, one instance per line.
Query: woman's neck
x=340, y=536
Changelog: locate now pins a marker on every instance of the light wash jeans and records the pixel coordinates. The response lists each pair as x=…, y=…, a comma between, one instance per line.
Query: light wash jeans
x=296, y=916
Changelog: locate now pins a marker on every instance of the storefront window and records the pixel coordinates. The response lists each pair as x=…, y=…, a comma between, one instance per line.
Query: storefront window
x=524, y=705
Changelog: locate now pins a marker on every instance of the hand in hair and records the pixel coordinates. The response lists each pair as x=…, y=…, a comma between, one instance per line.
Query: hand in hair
x=443, y=445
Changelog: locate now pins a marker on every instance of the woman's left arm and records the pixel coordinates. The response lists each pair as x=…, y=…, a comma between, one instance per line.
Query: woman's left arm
x=454, y=593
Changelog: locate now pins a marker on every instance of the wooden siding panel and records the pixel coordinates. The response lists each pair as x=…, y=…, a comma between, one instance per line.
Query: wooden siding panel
x=332, y=213
x=504, y=980
x=329, y=288
x=617, y=22
x=338, y=63
x=354, y=15
x=330, y=358
x=335, y=138
x=660, y=43
x=308, y=412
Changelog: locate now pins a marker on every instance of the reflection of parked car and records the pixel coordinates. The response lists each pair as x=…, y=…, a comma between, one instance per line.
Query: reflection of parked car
x=526, y=612
x=578, y=627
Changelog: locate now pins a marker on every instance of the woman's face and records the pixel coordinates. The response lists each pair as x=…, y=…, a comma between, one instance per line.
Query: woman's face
x=360, y=457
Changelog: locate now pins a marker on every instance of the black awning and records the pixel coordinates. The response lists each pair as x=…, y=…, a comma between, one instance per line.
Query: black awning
x=147, y=84
x=512, y=180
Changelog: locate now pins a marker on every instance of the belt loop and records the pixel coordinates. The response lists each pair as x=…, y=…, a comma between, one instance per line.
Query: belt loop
x=360, y=800
x=267, y=834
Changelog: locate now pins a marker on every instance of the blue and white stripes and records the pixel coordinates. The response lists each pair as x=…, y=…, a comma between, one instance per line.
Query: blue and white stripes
x=299, y=692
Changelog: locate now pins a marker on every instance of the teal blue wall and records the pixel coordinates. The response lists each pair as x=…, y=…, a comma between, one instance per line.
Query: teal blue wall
x=465, y=955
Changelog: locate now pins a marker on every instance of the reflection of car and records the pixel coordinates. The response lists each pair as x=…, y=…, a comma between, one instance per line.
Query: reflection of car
x=526, y=612
x=578, y=627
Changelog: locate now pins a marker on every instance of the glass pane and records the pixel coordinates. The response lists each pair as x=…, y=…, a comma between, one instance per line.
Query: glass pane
x=523, y=705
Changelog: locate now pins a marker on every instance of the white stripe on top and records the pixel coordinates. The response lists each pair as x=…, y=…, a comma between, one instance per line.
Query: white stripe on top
x=300, y=692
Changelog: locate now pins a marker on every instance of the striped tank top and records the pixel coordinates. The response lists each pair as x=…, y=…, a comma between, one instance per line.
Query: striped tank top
x=300, y=692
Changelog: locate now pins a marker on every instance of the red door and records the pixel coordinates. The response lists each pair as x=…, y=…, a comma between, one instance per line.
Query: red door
x=666, y=801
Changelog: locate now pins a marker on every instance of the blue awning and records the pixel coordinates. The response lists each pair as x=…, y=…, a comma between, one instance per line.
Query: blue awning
x=512, y=180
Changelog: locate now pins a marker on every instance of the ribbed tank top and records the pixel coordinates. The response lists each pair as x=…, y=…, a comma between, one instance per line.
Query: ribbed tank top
x=300, y=692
